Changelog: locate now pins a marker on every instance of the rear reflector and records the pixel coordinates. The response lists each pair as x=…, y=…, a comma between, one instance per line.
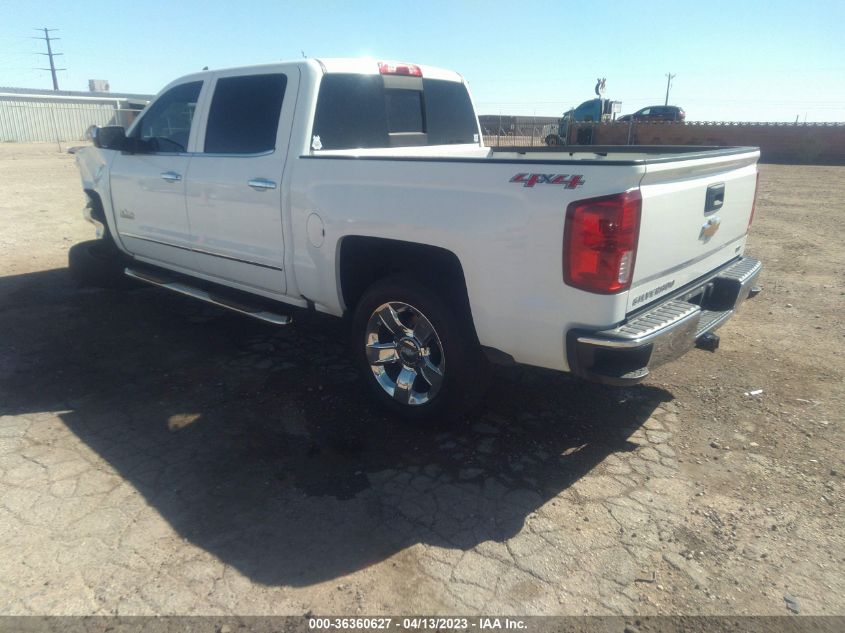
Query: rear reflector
x=399, y=68
x=600, y=242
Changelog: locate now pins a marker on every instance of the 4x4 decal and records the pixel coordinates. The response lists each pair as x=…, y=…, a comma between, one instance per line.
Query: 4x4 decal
x=566, y=180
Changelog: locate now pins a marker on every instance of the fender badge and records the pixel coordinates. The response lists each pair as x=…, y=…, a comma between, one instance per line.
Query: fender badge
x=709, y=228
x=124, y=213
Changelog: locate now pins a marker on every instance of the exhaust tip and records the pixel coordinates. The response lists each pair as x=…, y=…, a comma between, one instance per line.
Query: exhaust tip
x=708, y=341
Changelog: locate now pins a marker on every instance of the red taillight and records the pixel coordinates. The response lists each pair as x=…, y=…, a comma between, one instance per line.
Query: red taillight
x=754, y=203
x=600, y=242
x=399, y=68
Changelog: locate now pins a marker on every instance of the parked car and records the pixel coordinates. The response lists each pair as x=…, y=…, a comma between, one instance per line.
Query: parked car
x=655, y=113
x=362, y=189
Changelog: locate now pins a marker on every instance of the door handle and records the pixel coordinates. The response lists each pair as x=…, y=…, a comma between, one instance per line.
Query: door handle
x=171, y=176
x=261, y=183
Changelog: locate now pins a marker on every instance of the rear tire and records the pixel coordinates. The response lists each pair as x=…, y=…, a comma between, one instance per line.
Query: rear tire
x=420, y=360
x=98, y=263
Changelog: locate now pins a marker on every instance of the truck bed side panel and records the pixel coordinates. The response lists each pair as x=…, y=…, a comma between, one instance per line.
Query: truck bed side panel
x=507, y=236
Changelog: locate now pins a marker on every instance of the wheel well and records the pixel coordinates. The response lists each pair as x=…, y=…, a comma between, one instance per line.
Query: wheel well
x=364, y=260
x=96, y=206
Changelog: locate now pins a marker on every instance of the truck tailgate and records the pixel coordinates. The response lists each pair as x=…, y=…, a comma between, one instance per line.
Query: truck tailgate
x=695, y=215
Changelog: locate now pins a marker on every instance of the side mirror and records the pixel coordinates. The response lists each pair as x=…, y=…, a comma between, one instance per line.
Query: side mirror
x=109, y=137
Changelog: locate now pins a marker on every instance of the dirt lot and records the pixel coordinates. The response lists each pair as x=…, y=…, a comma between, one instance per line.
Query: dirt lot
x=159, y=456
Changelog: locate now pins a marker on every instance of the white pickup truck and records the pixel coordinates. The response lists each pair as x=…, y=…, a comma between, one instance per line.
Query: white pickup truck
x=363, y=189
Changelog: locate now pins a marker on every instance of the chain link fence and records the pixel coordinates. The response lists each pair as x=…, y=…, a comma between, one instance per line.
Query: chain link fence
x=518, y=131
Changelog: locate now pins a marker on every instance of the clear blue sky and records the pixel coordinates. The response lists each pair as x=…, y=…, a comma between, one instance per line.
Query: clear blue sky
x=754, y=60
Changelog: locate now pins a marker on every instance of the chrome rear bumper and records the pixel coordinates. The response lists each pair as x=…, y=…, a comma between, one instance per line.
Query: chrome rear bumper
x=624, y=355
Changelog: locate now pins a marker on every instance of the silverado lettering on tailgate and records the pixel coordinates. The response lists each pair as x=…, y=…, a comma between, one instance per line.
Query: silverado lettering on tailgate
x=568, y=181
x=654, y=292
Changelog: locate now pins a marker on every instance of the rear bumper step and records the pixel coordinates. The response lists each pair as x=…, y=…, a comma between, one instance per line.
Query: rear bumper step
x=624, y=355
x=163, y=281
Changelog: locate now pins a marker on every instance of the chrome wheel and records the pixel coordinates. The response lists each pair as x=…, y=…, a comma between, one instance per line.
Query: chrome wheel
x=404, y=353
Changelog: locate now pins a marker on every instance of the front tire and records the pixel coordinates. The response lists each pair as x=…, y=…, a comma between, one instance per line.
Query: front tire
x=419, y=359
x=98, y=263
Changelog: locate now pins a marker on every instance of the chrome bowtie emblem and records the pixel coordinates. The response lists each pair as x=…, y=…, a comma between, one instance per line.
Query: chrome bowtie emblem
x=709, y=228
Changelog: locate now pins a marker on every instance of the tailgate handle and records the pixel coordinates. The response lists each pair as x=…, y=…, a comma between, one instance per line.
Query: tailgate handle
x=715, y=197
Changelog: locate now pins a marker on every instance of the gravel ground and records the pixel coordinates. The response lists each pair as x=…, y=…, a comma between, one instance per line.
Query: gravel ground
x=158, y=456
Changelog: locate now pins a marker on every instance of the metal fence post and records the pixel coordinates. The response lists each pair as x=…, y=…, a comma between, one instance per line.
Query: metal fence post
x=533, y=128
x=55, y=126
x=499, y=131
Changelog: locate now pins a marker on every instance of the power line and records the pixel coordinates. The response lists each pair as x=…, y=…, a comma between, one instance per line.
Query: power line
x=669, y=78
x=50, y=54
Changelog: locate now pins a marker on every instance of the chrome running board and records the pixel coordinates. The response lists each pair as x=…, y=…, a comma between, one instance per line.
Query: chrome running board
x=203, y=295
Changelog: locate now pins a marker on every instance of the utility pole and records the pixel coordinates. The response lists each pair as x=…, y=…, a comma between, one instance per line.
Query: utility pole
x=669, y=78
x=50, y=54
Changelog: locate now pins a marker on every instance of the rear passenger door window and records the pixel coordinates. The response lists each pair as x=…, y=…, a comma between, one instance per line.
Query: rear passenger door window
x=244, y=114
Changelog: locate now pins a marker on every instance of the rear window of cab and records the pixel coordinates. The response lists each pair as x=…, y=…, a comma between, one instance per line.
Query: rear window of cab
x=368, y=111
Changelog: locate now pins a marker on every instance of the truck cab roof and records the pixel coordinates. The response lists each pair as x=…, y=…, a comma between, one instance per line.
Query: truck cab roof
x=326, y=65
x=370, y=66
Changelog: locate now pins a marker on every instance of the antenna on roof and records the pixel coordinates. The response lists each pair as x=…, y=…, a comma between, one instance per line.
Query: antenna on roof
x=304, y=56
